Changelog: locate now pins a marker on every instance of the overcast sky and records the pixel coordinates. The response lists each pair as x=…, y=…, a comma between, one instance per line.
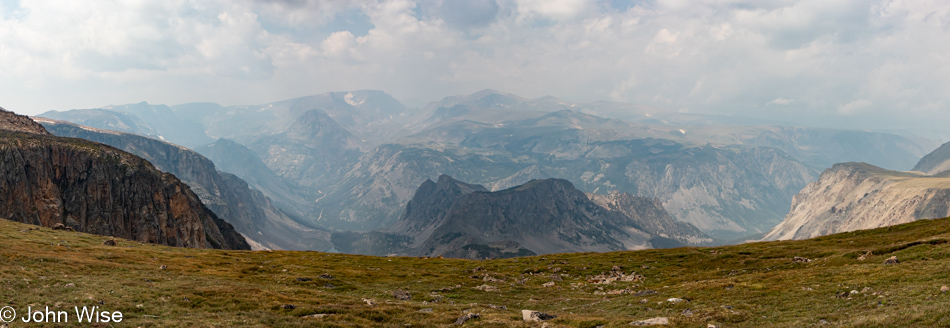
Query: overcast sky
x=851, y=63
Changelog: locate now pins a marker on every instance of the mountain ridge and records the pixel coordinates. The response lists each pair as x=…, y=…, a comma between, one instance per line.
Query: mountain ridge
x=456, y=219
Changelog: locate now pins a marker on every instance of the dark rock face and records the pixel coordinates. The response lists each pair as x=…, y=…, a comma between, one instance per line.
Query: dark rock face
x=98, y=189
x=225, y=194
x=456, y=219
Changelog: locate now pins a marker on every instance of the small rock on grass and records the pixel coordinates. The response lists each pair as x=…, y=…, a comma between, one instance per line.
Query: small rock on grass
x=645, y=292
x=402, y=295
x=530, y=315
x=461, y=320
x=109, y=242
x=799, y=259
x=487, y=288
x=891, y=260
x=944, y=289
x=548, y=284
x=315, y=316
x=658, y=321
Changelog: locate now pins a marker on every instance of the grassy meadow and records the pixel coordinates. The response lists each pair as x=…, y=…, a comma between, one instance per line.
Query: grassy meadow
x=845, y=283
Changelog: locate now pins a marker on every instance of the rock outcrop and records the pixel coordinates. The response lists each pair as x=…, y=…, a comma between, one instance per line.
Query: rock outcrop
x=91, y=187
x=856, y=196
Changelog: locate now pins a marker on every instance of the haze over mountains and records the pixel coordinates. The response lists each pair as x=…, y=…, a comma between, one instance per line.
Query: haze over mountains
x=353, y=160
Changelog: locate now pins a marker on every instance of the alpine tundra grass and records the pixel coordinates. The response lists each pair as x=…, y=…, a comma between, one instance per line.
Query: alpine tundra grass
x=838, y=280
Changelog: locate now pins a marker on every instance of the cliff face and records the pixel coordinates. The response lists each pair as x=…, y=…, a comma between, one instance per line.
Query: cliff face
x=98, y=189
x=456, y=219
x=856, y=196
x=225, y=194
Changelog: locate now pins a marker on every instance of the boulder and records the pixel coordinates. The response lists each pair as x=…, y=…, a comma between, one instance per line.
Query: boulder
x=658, y=321
x=402, y=295
x=530, y=315
x=461, y=320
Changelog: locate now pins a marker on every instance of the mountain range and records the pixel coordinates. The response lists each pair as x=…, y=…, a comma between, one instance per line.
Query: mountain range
x=353, y=160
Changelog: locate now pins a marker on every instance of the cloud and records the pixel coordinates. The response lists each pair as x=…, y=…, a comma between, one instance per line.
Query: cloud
x=780, y=101
x=821, y=59
x=854, y=106
x=554, y=9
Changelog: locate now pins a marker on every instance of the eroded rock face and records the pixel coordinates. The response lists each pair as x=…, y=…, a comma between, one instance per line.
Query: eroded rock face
x=856, y=196
x=94, y=188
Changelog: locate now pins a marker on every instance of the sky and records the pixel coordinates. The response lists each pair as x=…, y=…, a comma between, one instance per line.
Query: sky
x=849, y=63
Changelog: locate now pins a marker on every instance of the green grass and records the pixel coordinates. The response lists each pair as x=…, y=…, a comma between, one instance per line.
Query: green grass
x=749, y=285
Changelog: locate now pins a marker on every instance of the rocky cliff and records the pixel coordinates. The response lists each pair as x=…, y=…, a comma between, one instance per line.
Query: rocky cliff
x=856, y=196
x=456, y=219
x=225, y=194
x=95, y=188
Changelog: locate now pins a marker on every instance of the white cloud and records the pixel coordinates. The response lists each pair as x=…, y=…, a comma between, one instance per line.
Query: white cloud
x=854, y=106
x=554, y=9
x=780, y=101
x=820, y=59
